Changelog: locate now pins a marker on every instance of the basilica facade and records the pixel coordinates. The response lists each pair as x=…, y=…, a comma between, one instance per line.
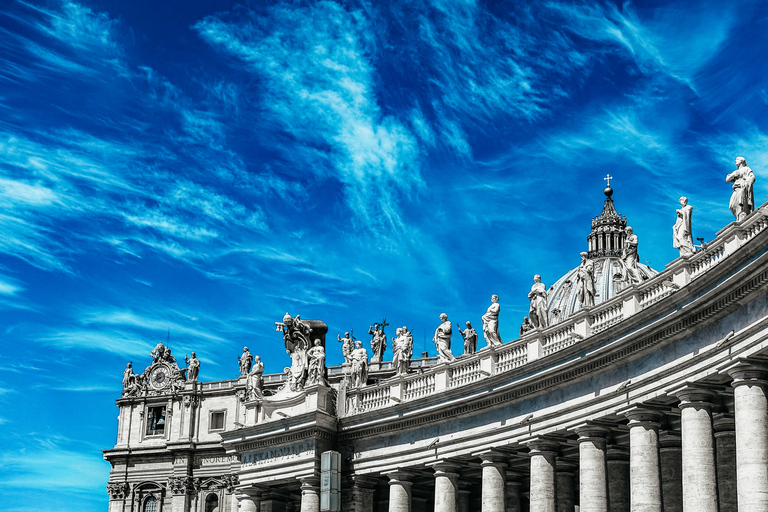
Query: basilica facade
x=642, y=390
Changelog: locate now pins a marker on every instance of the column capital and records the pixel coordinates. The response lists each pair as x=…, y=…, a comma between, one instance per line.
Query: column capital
x=694, y=395
x=542, y=445
x=639, y=415
x=591, y=432
x=725, y=424
x=747, y=372
x=492, y=457
x=563, y=465
x=618, y=454
x=670, y=441
x=400, y=476
x=445, y=467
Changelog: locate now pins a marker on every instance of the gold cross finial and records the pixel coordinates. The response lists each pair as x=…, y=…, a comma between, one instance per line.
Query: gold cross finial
x=608, y=178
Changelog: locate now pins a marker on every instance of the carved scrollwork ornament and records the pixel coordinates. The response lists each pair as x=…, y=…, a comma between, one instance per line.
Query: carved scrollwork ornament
x=181, y=485
x=118, y=490
x=230, y=481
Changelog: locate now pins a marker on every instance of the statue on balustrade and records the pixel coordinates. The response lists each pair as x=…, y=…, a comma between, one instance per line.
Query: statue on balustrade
x=526, y=326
x=379, y=341
x=682, y=236
x=245, y=361
x=347, y=346
x=442, y=340
x=491, y=323
x=254, y=384
x=359, y=368
x=193, y=367
x=585, y=282
x=296, y=337
x=470, y=338
x=743, y=198
x=539, y=310
x=402, y=347
x=630, y=271
x=316, y=373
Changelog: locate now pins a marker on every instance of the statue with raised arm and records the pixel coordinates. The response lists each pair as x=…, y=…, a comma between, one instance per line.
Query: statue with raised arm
x=491, y=323
x=442, y=340
x=585, y=281
x=193, y=367
x=316, y=371
x=630, y=271
x=347, y=346
x=682, y=236
x=538, y=310
x=359, y=370
x=379, y=341
x=470, y=338
x=245, y=360
x=743, y=197
x=296, y=337
x=254, y=384
x=402, y=348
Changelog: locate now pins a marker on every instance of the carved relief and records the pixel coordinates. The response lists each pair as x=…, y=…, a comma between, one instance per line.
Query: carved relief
x=118, y=490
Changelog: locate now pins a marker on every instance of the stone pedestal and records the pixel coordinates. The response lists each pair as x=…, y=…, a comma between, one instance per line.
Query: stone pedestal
x=593, y=478
x=698, y=441
x=310, y=494
x=751, y=410
x=400, y=489
x=645, y=480
x=725, y=456
x=543, y=461
x=446, y=486
x=618, y=479
x=671, y=455
x=494, y=467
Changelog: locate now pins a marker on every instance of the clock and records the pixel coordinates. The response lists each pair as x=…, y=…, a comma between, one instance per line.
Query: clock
x=159, y=377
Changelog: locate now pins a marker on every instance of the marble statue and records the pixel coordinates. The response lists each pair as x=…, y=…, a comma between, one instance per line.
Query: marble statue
x=585, y=281
x=630, y=271
x=442, y=340
x=538, y=311
x=254, y=384
x=316, y=371
x=193, y=365
x=379, y=341
x=245, y=360
x=402, y=347
x=682, y=236
x=359, y=365
x=526, y=326
x=129, y=381
x=743, y=198
x=347, y=346
x=296, y=337
x=162, y=353
x=491, y=323
x=470, y=338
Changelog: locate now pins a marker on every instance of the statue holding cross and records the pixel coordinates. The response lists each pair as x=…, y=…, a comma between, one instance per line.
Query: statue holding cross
x=379, y=340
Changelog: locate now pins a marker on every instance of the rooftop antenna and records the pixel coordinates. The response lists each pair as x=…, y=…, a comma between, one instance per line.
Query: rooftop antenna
x=168, y=338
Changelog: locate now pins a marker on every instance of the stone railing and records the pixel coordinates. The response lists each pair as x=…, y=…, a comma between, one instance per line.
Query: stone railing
x=541, y=343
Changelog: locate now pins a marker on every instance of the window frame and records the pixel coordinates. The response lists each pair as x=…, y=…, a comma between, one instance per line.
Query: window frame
x=153, y=433
x=223, y=413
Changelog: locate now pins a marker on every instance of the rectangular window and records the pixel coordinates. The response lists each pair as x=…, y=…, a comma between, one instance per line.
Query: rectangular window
x=217, y=420
x=156, y=421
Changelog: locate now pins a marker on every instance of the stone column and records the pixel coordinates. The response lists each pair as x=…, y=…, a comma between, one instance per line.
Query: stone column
x=644, y=477
x=542, y=491
x=310, y=494
x=725, y=455
x=494, y=467
x=618, y=479
x=248, y=500
x=357, y=494
x=566, y=485
x=446, y=485
x=400, y=488
x=514, y=489
x=698, y=440
x=593, y=478
x=671, y=455
x=462, y=500
x=751, y=411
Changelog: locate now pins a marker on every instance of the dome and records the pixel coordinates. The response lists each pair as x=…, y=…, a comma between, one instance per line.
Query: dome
x=605, y=245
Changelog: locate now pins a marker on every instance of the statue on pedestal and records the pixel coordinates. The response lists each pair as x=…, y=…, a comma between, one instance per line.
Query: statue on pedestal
x=193, y=367
x=585, y=282
x=245, y=360
x=470, y=338
x=296, y=337
x=359, y=369
x=442, y=340
x=491, y=323
x=743, y=198
x=254, y=384
x=379, y=341
x=682, y=235
x=538, y=311
x=402, y=348
x=347, y=346
x=130, y=388
x=316, y=372
x=629, y=258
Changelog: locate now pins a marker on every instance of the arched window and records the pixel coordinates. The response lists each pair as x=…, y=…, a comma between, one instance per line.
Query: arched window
x=212, y=503
x=151, y=505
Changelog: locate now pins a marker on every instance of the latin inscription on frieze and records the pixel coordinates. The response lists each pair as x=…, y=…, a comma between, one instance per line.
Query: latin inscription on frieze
x=207, y=461
x=278, y=454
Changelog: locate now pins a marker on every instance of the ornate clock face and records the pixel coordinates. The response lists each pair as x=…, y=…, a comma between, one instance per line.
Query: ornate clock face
x=159, y=378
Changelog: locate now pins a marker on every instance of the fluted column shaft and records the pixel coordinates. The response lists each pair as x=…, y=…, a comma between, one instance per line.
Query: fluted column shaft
x=698, y=443
x=310, y=494
x=644, y=469
x=542, y=476
x=494, y=476
x=593, y=477
x=725, y=456
x=400, y=488
x=751, y=411
x=446, y=486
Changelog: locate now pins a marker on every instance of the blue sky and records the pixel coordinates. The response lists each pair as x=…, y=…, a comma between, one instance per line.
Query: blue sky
x=204, y=167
